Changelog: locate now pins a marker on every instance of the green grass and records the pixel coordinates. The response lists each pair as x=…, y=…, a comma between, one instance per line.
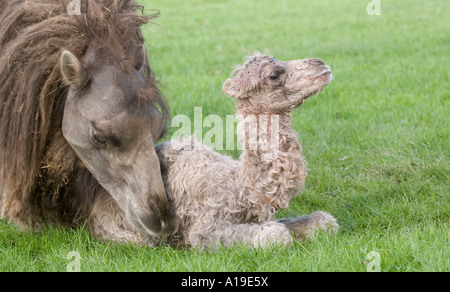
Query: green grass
x=376, y=139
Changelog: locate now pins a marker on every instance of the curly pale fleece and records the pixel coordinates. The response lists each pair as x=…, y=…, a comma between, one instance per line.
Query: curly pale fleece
x=222, y=201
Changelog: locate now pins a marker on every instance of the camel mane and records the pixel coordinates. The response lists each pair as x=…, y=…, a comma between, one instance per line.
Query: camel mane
x=38, y=169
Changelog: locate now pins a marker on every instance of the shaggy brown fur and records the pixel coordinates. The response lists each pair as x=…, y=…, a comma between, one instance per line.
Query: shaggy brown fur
x=41, y=178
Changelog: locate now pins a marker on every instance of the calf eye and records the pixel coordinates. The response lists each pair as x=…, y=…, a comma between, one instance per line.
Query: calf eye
x=274, y=76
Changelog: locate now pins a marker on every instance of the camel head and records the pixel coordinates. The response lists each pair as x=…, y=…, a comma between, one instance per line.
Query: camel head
x=265, y=84
x=112, y=123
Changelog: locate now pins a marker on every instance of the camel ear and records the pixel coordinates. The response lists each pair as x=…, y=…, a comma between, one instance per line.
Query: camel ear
x=141, y=54
x=240, y=87
x=72, y=70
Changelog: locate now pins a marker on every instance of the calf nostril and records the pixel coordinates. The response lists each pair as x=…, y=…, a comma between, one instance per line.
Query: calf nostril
x=316, y=62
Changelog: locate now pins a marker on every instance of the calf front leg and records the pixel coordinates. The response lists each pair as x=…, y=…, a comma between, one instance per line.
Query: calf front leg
x=306, y=226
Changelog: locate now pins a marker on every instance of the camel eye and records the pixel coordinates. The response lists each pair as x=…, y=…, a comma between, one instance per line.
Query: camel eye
x=104, y=139
x=98, y=139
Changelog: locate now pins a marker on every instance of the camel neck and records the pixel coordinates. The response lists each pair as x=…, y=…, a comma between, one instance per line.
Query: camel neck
x=261, y=134
x=271, y=164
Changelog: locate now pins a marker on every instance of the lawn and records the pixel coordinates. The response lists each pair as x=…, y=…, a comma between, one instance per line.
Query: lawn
x=376, y=139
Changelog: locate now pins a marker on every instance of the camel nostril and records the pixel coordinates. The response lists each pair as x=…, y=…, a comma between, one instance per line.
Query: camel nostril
x=151, y=222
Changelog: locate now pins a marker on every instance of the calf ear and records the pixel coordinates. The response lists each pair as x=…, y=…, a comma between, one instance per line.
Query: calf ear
x=240, y=87
x=72, y=70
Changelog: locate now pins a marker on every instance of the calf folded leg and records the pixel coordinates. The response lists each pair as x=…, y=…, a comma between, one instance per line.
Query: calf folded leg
x=251, y=234
x=306, y=226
